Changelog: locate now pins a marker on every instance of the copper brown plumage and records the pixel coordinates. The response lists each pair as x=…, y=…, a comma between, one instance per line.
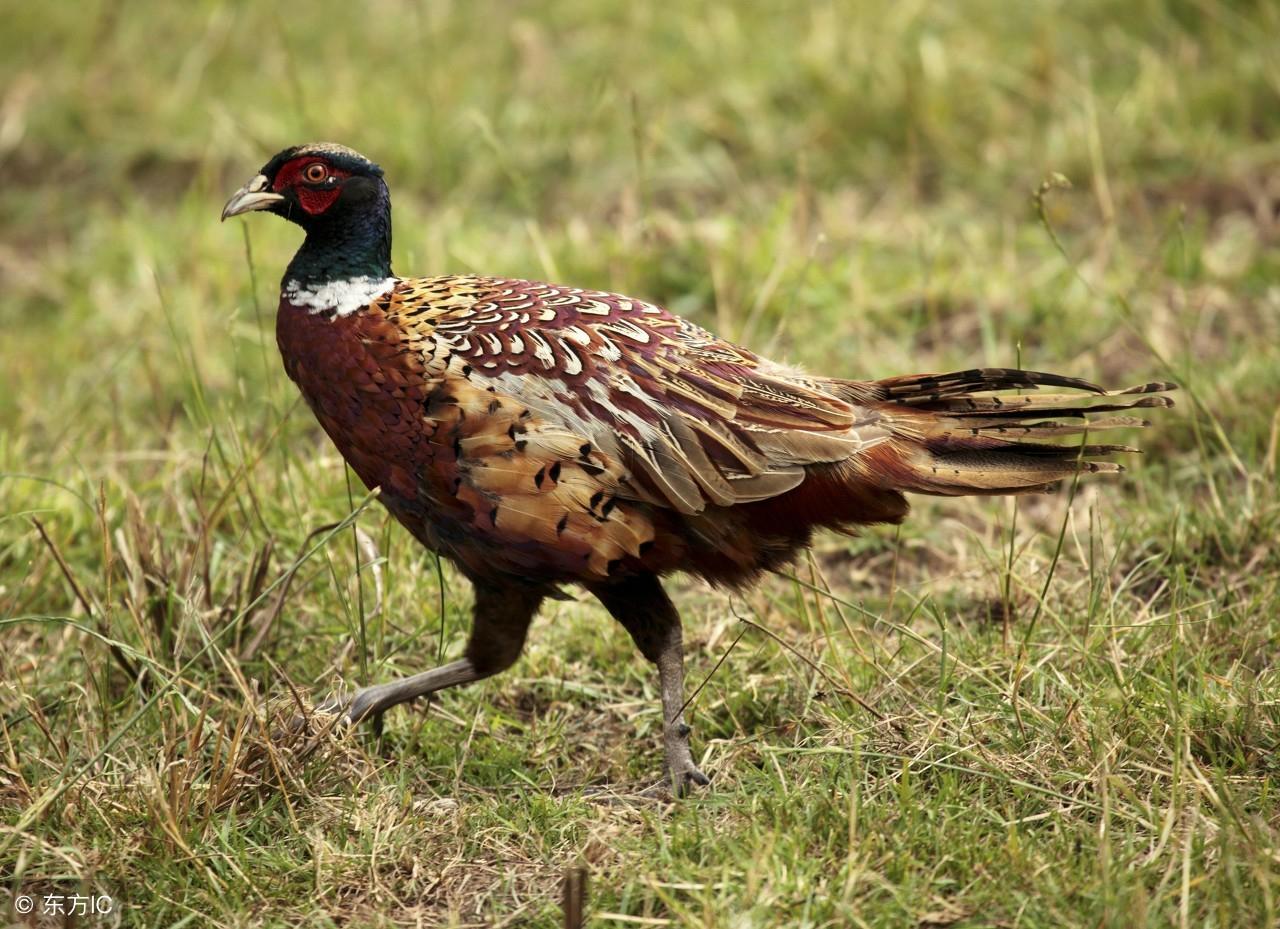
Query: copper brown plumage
x=540, y=435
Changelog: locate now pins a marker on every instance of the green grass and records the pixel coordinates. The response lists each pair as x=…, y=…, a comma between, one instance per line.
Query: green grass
x=1078, y=737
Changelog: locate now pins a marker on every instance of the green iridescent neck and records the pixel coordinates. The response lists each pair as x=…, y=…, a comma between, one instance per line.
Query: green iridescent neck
x=346, y=245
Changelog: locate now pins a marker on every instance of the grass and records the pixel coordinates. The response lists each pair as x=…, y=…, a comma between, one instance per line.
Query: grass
x=1080, y=697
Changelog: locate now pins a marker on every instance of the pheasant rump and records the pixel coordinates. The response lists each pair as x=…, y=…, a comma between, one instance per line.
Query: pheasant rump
x=538, y=435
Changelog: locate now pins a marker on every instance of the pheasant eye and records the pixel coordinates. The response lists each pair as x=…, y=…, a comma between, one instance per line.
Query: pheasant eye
x=315, y=173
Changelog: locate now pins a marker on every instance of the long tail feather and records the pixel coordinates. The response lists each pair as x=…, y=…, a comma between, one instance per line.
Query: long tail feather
x=955, y=438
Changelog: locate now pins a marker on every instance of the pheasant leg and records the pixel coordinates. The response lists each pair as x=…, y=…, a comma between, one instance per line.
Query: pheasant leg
x=500, y=621
x=642, y=606
x=376, y=700
x=681, y=772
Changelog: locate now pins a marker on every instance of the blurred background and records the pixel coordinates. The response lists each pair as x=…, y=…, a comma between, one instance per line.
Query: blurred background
x=865, y=189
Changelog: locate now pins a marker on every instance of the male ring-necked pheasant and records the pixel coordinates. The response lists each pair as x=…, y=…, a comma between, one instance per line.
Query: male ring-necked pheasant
x=538, y=435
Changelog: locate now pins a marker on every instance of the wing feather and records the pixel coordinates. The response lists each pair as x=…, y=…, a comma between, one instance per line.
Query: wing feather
x=696, y=420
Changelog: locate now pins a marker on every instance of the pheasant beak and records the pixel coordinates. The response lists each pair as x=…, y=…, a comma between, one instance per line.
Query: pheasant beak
x=252, y=196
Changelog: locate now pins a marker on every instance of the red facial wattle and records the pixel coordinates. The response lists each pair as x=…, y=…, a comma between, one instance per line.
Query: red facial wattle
x=313, y=197
x=315, y=201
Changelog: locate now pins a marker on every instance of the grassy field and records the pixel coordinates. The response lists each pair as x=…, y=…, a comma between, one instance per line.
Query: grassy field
x=1080, y=692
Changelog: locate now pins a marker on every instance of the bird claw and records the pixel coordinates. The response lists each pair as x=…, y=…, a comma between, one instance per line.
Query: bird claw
x=682, y=775
x=677, y=784
x=681, y=782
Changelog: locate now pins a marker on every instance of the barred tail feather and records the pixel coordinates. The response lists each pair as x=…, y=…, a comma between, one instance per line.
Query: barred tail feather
x=954, y=438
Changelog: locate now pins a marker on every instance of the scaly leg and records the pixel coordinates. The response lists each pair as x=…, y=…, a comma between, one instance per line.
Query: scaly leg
x=644, y=608
x=500, y=620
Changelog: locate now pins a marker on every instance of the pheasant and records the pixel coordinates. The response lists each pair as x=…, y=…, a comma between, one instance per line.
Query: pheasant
x=539, y=435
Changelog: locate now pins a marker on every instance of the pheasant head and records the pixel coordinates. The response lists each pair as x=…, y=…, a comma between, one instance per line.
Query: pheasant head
x=340, y=200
